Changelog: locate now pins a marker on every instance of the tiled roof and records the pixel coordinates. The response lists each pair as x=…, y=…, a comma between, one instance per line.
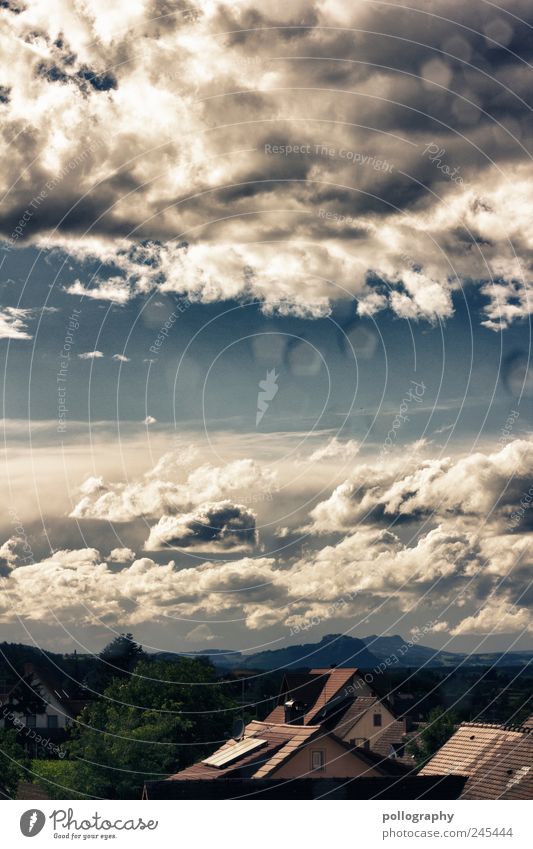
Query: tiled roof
x=392, y=735
x=498, y=761
x=315, y=689
x=334, y=680
x=281, y=742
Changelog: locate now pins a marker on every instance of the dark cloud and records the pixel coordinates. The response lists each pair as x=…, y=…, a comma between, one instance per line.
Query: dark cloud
x=220, y=526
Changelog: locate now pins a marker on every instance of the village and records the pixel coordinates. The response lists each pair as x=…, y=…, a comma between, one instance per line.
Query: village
x=327, y=733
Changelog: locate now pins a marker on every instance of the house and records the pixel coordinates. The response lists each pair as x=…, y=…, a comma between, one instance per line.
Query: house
x=321, y=729
x=345, y=704
x=286, y=751
x=62, y=701
x=497, y=760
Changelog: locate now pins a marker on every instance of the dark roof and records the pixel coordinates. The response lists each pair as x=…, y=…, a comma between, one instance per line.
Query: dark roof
x=497, y=759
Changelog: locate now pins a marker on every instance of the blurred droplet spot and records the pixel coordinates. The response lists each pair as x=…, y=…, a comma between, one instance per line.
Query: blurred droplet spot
x=268, y=348
x=436, y=72
x=459, y=47
x=517, y=374
x=360, y=340
x=500, y=30
x=302, y=358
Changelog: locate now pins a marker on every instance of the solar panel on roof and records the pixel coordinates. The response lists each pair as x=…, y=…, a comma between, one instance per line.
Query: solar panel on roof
x=232, y=753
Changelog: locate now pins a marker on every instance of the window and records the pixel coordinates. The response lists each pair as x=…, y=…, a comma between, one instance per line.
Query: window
x=377, y=720
x=51, y=720
x=31, y=720
x=318, y=760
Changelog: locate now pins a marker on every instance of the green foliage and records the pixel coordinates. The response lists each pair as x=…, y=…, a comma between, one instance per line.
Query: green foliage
x=58, y=778
x=116, y=660
x=162, y=718
x=440, y=727
x=13, y=762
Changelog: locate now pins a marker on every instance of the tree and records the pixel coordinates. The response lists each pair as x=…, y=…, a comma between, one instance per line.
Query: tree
x=162, y=718
x=14, y=762
x=439, y=729
x=117, y=659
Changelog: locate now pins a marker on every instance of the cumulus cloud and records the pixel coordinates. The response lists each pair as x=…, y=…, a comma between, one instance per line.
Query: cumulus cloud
x=365, y=569
x=120, y=358
x=170, y=488
x=120, y=555
x=497, y=616
x=484, y=485
x=149, y=420
x=218, y=526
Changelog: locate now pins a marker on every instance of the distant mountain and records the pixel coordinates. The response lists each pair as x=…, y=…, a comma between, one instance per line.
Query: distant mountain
x=337, y=649
x=415, y=655
x=365, y=653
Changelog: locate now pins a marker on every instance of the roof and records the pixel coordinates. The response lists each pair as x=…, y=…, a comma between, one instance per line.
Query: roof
x=277, y=743
x=497, y=759
x=345, y=719
x=281, y=741
x=333, y=681
x=315, y=689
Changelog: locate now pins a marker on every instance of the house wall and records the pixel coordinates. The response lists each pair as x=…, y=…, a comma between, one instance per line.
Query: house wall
x=338, y=763
x=365, y=728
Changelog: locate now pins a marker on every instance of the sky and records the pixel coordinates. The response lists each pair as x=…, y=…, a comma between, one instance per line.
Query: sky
x=265, y=323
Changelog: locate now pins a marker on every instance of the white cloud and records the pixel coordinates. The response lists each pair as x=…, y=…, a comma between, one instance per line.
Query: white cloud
x=91, y=355
x=13, y=323
x=336, y=448
x=497, y=616
x=162, y=493
x=120, y=555
x=149, y=420
x=202, y=634
x=120, y=358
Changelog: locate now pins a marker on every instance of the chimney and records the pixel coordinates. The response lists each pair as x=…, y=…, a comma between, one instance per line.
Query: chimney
x=294, y=712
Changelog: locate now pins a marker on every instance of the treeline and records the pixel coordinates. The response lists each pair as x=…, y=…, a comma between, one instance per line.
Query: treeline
x=146, y=718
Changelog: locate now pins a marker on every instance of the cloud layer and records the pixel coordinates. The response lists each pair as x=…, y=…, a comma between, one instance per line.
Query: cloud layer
x=322, y=151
